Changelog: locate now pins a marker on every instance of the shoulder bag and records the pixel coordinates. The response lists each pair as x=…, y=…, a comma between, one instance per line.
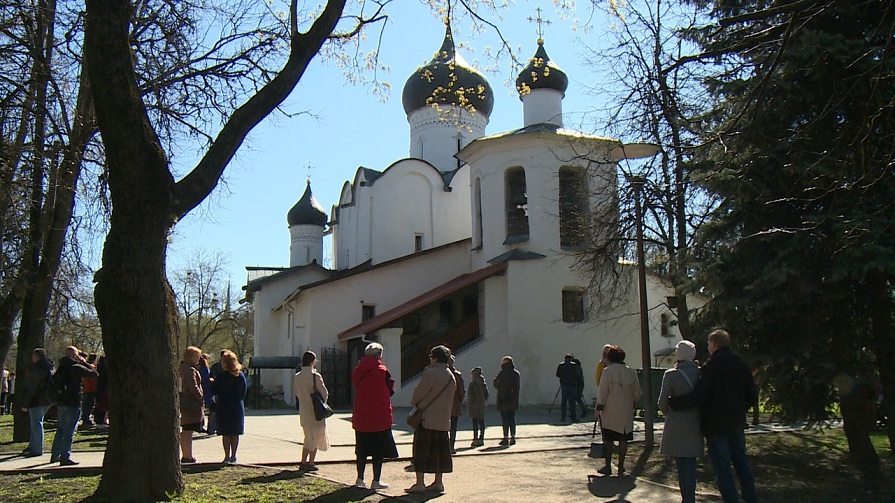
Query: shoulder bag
x=322, y=410
x=415, y=418
x=685, y=401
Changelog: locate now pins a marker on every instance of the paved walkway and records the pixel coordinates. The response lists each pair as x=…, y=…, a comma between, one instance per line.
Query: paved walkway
x=549, y=461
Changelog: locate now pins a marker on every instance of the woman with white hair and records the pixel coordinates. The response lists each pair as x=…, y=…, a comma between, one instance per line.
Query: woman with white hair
x=681, y=437
x=372, y=419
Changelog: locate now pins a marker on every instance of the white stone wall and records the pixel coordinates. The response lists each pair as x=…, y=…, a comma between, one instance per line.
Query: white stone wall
x=434, y=132
x=542, y=105
x=306, y=244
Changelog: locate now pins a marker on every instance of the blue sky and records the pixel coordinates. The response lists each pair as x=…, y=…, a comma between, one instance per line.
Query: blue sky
x=245, y=218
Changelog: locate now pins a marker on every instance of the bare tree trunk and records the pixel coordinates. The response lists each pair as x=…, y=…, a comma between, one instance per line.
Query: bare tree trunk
x=133, y=306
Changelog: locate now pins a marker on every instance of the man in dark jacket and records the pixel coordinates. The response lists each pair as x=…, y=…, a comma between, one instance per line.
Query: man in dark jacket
x=72, y=368
x=35, y=401
x=570, y=377
x=726, y=391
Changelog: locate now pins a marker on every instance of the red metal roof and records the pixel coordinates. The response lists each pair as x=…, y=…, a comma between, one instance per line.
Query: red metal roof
x=415, y=303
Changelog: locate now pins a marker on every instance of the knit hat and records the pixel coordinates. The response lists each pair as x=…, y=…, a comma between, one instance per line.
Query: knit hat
x=685, y=351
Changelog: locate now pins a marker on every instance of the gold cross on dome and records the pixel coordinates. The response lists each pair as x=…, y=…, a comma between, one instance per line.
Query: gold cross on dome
x=540, y=21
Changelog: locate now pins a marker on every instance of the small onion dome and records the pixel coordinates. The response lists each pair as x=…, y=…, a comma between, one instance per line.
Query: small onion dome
x=448, y=79
x=541, y=73
x=307, y=211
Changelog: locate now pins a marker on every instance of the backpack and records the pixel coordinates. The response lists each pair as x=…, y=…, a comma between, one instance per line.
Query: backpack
x=56, y=387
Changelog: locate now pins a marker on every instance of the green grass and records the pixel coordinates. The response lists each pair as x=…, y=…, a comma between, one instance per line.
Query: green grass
x=85, y=440
x=238, y=483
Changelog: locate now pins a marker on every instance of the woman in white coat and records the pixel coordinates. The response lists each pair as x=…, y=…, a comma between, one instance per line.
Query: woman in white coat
x=306, y=381
x=619, y=391
x=681, y=436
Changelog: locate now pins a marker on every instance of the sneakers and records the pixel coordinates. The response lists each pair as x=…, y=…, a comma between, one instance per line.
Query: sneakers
x=68, y=462
x=360, y=483
x=230, y=461
x=378, y=484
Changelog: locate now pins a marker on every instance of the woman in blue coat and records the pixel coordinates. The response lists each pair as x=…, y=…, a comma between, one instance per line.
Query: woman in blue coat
x=229, y=389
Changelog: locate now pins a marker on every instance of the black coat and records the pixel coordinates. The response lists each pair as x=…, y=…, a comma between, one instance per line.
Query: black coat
x=507, y=385
x=726, y=391
x=71, y=373
x=36, y=384
x=570, y=374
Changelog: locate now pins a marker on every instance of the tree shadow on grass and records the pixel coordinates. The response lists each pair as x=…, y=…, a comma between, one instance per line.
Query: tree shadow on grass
x=280, y=475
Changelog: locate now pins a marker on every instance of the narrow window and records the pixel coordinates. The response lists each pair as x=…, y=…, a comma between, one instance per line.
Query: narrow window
x=572, y=207
x=479, y=236
x=516, y=206
x=417, y=243
x=367, y=312
x=572, y=305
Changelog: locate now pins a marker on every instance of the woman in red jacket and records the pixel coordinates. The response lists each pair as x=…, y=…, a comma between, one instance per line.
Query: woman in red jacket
x=372, y=419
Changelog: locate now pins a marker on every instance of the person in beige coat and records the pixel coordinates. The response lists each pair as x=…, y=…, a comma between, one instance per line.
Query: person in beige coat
x=316, y=436
x=433, y=397
x=619, y=391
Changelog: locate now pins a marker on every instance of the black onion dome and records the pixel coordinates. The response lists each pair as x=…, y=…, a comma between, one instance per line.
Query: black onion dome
x=541, y=73
x=448, y=79
x=307, y=211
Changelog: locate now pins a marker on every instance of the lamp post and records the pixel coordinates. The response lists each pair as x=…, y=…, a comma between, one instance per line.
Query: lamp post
x=649, y=406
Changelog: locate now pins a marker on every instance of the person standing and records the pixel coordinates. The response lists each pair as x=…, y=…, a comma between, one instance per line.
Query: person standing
x=619, y=391
x=10, y=394
x=192, y=411
x=72, y=368
x=213, y=372
x=604, y=362
x=579, y=395
x=4, y=390
x=681, y=436
x=229, y=388
x=457, y=405
x=35, y=401
x=89, y=385
x=476, y=403
x=726, y=391
x=507, y=385
x=207, y=393
x=433, y=396
x=316, y=437
x=372, y=417
x=568, y=373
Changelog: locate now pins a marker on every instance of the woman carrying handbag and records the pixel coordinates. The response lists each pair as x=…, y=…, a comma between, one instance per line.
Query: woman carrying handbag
x=316, y=437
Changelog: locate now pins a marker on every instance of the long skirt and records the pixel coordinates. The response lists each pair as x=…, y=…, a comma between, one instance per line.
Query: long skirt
x=375, y=444
x=432, y=451
x=316, y=437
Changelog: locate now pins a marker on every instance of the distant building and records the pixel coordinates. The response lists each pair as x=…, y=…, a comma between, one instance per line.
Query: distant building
x=468, y=242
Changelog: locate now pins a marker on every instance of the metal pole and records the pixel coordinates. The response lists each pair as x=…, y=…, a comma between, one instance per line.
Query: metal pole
x=649, y=406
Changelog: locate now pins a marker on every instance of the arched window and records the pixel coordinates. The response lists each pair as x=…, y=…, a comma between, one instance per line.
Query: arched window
x=572, y=207
x=516, y=206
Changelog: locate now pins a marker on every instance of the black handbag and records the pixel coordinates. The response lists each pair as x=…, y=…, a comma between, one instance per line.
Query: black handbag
x=322, y=410
x=596, y=448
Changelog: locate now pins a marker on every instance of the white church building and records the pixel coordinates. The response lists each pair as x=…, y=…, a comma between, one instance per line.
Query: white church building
x=470, y=242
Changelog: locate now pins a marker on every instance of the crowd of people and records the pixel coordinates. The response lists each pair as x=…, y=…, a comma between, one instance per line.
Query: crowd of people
x=703, y=406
